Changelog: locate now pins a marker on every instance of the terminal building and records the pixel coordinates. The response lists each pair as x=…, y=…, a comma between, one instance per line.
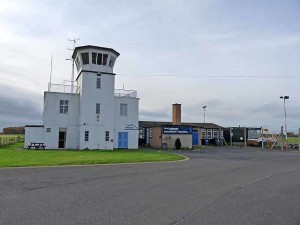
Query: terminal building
x=90, y=113
x=157, y=134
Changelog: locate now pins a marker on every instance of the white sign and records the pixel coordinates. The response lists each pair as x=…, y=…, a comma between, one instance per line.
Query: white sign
x=131, y=127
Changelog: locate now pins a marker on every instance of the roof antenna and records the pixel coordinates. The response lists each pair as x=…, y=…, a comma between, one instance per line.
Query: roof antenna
x=72, y=49
x=49, y=85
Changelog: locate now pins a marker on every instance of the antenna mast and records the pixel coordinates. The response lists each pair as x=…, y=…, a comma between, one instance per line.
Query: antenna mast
x=74, y=40
x=49, y=85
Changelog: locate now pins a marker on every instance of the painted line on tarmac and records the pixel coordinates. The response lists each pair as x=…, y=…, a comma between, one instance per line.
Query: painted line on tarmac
x=100, y=164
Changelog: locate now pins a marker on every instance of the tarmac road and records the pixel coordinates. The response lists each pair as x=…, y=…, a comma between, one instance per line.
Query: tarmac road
x=216, y=186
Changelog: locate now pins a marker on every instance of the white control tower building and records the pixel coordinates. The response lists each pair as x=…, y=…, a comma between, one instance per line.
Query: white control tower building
x=89, y=113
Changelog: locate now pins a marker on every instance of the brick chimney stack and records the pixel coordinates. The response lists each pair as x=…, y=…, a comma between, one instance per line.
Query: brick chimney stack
x=176, y=114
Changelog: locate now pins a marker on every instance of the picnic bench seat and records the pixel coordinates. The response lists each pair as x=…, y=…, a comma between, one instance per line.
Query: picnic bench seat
x=36, y=145
x=294, y=146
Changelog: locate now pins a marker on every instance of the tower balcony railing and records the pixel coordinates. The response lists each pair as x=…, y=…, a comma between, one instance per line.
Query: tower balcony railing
x=63, y=88
x=125, y=93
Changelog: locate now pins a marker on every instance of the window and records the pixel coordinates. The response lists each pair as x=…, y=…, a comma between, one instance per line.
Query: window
x=48, y=130
x=85, y=58
x=63, y=106
x=94, y=57
x=111, y=61
x=216, y=133
x=209, y=133
x=106, y=135
x=98, y=84
x=123, y=109
x=86, y=136
x=97, y=108
x=203, y=133
x=104, y=62
x=99, y=59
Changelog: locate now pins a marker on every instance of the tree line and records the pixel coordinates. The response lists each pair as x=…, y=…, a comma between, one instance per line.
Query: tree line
x=13, y=130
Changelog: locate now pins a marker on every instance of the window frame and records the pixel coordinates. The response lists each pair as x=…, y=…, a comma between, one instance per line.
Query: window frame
x=123, y=109
x=215, y=133
x=209, y=134
x=98, y=108
x=99, y=59
x=104, y=59
x=203, y=134
x=85, y=61
x=98, y=83
x=63, y=106
x=106, y=135
x=86, y=136
x=94, y=54
x=111, y=61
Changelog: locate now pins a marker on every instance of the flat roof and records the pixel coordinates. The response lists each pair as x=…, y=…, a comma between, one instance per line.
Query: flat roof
x=34, y=125
x=94, y=47
x=149, y=124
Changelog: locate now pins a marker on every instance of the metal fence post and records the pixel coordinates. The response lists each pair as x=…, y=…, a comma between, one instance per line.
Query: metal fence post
x=245, y=137
x=262, y=138
x=282, y=138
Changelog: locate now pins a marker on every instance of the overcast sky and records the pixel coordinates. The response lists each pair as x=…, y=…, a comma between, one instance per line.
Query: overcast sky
x=172, y=51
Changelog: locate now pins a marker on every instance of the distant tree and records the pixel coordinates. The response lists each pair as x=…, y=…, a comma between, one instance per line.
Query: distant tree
x=291, y=134
x=14, y=130
x=177, y=143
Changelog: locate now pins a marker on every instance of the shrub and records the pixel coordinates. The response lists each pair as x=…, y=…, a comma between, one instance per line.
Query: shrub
x=177, y=143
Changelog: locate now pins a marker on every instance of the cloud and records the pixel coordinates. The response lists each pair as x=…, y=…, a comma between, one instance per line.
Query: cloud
x=19, y=107
x=154, y=115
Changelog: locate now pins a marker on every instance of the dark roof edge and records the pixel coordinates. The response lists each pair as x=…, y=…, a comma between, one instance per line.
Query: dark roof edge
x=34, y=125
x=91, y=71
x=95, y=47
x=164, y=123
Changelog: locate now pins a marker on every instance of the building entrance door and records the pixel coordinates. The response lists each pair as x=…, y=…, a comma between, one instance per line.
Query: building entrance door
x=195, y=138
x=123, y=140
x=62, y=135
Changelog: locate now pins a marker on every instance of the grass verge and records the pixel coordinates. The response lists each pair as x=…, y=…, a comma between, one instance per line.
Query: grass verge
x=10, y=156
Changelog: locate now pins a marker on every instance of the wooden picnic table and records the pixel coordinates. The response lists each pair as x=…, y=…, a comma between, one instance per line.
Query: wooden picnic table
x=36, y=145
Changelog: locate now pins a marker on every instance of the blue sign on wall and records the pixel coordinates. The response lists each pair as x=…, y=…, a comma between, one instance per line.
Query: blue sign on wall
x=177, y=130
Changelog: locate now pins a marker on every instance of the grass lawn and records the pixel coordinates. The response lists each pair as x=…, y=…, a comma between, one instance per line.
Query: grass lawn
x=291, y=140
x=10, y=156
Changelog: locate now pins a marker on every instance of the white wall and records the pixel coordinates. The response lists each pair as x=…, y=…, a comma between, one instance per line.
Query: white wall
x=90, y=95
x=186, y=140
x=33, y=134
x=122, y=121
x=55, y=120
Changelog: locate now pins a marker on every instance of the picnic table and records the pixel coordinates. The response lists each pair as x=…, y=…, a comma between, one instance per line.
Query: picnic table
x=36, y=145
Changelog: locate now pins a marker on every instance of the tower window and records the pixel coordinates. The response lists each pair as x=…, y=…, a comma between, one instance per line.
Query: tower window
x=86, y=135
x=123, y=109
x=97, y=108
x=105, y=56
x=106, y=135
x=94, y=57
x=111, y=61
x=98, y=84
x=63, y=106
x=85, y=58
x=99, y=59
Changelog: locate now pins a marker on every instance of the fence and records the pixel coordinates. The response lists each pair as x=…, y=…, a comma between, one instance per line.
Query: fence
x=10, y=140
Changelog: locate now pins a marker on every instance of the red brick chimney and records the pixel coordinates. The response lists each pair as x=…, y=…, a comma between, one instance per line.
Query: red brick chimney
x=176, y=114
